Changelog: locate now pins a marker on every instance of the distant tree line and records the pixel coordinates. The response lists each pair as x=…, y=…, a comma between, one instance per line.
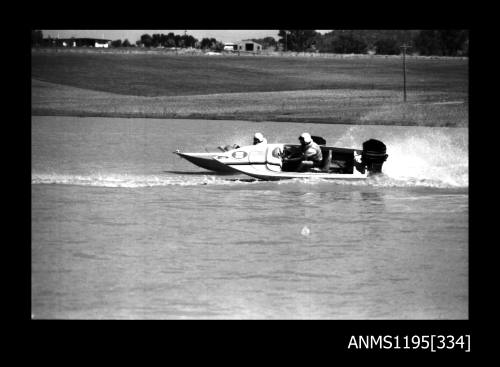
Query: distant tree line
x=167, y=40
x=38, y=40
x=119, y=43
x=211, y=44
x=386, y=42
x=442, y=42
x=299, y=40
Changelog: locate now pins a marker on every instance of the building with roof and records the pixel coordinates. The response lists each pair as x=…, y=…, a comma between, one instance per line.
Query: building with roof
x=248, y=46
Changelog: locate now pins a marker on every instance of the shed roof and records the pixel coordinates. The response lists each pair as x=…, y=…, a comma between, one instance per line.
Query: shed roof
x=249, y=41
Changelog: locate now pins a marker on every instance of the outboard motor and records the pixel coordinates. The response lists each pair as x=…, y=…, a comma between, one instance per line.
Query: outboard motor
x=373, y=155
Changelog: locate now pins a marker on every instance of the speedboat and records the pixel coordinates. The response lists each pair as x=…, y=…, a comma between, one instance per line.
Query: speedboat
x=275, y=161
x=205, y=160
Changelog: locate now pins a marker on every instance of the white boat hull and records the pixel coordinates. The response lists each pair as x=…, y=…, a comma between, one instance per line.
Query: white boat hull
x=263, y=173
x=207, y=161
x=264, y=162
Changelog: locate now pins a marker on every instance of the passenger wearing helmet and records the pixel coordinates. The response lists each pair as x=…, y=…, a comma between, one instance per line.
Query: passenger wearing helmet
x=311, y=153
x=258, y=138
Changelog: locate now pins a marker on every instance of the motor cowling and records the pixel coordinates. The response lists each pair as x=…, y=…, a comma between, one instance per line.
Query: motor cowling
x=373, y=155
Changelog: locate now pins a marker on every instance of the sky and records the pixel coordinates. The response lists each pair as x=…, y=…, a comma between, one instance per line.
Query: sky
x=225, y=35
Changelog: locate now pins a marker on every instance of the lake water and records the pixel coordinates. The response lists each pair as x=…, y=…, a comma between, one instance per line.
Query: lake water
x=122, y=228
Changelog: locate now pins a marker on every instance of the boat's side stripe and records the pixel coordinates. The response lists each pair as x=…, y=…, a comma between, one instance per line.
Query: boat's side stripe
x=249, y=164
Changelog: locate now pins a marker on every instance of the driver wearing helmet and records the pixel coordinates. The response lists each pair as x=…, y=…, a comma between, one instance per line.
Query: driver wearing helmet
x=311, y=153
x=258, y=138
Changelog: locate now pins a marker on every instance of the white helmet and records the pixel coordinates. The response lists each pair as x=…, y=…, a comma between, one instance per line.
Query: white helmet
x=259, y=137
x=306, y=137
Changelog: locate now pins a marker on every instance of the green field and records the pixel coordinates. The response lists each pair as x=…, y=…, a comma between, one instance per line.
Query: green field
x=352, y=90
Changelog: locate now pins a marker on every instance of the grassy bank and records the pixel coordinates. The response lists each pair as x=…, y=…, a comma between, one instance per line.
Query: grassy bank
x=356, y=91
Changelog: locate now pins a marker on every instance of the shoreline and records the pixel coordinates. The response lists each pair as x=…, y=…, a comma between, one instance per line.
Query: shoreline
x=236, y=118
x=198, y=52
